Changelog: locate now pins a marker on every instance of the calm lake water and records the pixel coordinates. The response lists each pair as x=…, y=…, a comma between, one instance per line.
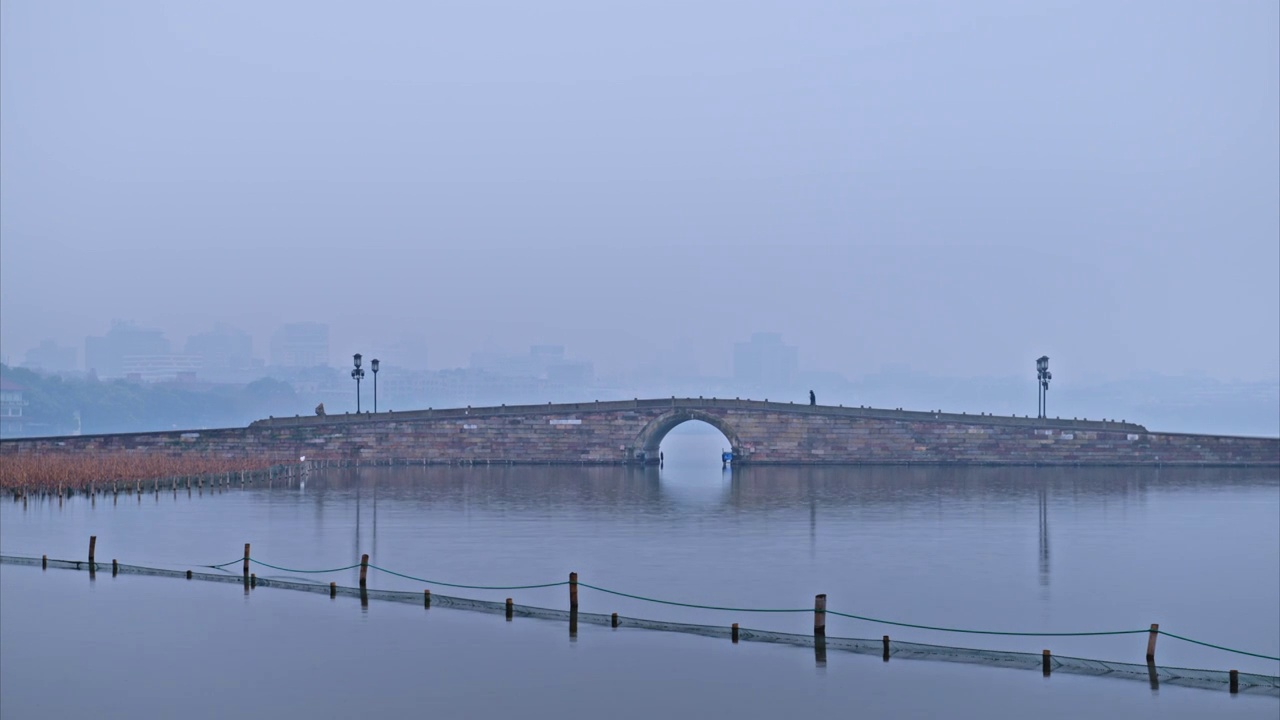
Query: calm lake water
x=1013, y=549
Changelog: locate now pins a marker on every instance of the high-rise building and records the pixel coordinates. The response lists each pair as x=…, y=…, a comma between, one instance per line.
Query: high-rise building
x=300, y=345
x=105, y=355
x=225, y=353
x=169, y=367
x=546, y=362
x=50, y=357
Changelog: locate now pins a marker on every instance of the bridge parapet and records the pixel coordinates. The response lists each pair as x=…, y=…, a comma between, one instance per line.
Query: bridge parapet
x=725, y=404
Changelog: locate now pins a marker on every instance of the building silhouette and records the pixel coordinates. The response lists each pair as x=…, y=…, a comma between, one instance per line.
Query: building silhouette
x=300, y=345
x=50, y=357
x=225, y=353
x=106, y=355
x=764, y=362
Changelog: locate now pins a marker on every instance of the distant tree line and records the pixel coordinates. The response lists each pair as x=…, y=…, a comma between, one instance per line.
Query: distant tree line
x=63, y=406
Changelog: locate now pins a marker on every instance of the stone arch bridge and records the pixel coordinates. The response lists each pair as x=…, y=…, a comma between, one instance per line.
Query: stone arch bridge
x=629, y=432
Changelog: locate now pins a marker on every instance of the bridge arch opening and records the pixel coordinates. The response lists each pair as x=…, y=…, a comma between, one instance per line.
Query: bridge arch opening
x=700, y=438
x=693, y=443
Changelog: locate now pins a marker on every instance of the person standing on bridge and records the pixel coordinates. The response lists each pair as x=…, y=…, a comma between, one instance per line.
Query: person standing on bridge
x=813, y=399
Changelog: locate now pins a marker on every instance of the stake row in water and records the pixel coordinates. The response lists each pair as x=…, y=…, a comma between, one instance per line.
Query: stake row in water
x=1046, y=661
x=819, y=607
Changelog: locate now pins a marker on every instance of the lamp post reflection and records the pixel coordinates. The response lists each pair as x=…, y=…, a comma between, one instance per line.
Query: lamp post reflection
x=1044, y=536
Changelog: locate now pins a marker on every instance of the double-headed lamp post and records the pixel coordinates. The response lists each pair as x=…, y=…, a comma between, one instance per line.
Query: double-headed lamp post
x=1044, y=376
x=373, y=365
x=356, y=375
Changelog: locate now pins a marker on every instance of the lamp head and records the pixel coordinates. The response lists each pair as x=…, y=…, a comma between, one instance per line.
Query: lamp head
x=373, y=365
x=358, y=357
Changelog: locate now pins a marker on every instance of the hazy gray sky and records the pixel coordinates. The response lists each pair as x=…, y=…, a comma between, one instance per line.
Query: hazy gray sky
x=960, y=187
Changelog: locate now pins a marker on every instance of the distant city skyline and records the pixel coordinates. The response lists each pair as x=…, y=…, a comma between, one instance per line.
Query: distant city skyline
x=954, y=188
x=247, y=354
x=762, y=365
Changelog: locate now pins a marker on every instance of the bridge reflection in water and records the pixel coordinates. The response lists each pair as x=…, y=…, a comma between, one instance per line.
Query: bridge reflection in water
x=762, y=488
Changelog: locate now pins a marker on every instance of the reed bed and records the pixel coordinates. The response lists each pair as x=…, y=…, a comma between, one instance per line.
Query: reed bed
x=49, y=473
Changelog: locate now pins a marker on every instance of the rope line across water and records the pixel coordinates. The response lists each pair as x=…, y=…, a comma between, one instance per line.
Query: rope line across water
x=1248, y=682
x=756, y=610
x=987, y=632
x=1219, y=647
x=284, y=569
x=472, y=587
x=692, y=605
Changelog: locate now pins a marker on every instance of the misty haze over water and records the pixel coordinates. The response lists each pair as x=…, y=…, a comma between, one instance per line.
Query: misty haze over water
x=514, y=203
x=207, y=209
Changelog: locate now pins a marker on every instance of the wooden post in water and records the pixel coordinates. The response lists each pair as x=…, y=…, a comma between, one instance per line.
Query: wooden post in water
x=573, y=623
x=820, y=615
x=573, y=591
x=1235, y=681
x=733, y=633
x=188, y=574
x=885, y=640
x=93, y=543
x=44, y=562
x=1044, y=663
x=1152, y=676
x=253, y=580
x=333, y=589
x=426, y=598
x=1151, y=642
x=364, y=569
x=246, y=558
x=508, y=609
x=613, y=620
x=115, y=568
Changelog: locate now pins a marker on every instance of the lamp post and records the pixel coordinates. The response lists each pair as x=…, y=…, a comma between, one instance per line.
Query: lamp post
x=1043, y=376
x=373, y=365
x=356, y=375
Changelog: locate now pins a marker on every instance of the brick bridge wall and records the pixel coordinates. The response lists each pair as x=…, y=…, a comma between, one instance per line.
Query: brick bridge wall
x=629, y=431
